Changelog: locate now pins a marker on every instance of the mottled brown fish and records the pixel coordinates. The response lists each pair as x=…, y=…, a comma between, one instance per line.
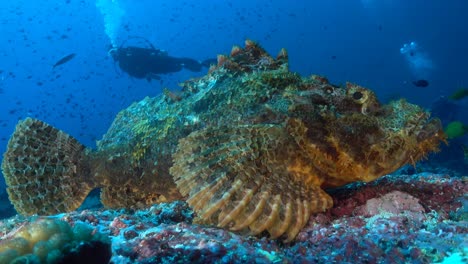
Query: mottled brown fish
x=250, y=146
x=65, y=59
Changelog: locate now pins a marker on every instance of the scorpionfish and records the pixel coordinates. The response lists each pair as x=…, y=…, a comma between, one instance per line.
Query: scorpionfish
x=250, y=146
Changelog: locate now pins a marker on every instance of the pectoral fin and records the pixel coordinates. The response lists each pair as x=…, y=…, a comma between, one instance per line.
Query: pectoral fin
x=240, y=178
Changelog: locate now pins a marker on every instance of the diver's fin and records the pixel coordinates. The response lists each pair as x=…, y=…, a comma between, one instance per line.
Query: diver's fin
x=248, y=177
x=45, y=169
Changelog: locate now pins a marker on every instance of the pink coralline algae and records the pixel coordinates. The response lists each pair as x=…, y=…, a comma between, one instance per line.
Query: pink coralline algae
x=393, y=203
x=419, y=218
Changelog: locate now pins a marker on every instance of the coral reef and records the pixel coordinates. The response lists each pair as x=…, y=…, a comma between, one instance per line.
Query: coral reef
x=420, y=218
x=48, y=240
x=250, y=146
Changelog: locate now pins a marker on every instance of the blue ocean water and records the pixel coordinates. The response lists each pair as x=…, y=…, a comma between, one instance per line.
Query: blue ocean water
x=386, y=45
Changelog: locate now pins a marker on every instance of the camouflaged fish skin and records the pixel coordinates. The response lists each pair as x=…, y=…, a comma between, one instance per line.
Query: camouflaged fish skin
x=250, y=146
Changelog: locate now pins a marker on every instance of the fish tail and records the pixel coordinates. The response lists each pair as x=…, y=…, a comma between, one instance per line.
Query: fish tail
x=46, y=170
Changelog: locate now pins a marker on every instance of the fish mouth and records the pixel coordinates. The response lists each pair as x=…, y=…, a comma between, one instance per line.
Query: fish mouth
x=416, y=134
x=418, y=123
x=432, y=134
x=365, y=146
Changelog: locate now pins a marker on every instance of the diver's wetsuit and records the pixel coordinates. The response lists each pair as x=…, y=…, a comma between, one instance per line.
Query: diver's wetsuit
x=149, y=62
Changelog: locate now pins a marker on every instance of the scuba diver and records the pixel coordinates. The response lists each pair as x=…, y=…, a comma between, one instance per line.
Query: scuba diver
x=148, y=63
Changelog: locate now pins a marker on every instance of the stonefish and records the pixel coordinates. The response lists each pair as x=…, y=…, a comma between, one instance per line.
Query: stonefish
x=250, y=146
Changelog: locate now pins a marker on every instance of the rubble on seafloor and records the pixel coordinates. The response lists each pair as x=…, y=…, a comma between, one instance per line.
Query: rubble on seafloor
x=420, y=218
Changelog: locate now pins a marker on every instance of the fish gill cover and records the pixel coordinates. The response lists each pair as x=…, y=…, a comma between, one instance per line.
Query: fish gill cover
x=250, y=146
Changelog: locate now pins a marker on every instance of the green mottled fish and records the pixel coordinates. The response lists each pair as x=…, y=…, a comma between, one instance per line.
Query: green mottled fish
x=459, y=94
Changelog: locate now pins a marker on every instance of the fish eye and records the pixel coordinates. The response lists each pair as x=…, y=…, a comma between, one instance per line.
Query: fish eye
x=357, y=95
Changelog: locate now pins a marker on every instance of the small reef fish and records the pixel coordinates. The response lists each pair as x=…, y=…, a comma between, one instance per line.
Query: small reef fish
x=421, y=83
x=64, y=60
x=251, y=147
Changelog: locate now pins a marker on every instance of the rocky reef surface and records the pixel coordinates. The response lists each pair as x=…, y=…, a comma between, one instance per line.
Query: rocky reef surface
x=400, y=218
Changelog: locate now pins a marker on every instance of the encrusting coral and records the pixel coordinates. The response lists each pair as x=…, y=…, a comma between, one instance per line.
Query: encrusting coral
x=54, y=241
x=250, y=146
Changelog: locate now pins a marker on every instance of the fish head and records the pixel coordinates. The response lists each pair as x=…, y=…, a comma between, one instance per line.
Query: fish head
x=350, y=136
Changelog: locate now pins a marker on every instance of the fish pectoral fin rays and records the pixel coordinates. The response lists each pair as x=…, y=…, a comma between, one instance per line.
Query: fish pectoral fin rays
x=238, y=178
x=45, y=170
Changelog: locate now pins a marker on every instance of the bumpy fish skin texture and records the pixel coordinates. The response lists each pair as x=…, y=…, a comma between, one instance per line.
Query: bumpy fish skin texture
x=250, y=146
